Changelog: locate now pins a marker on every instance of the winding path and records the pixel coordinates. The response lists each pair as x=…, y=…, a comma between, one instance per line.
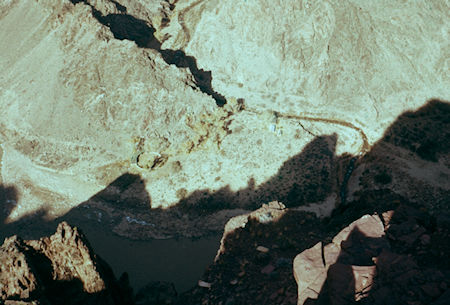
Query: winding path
x=365, y=147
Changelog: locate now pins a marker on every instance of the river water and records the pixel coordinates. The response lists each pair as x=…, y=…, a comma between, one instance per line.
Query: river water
x=181, y=261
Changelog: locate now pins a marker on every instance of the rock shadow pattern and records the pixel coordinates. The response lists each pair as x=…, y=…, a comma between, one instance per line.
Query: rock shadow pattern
x=125, y=26
x=244, y=275
x=8, y=201
x=409, y=248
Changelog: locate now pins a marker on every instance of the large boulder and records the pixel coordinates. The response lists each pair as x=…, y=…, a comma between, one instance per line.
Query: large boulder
x=393, y=258
x=343, y=258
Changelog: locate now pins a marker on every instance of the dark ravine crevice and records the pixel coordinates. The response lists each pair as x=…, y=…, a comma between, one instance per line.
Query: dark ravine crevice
x=119, y=6
x=203, y=79
x=127, y=27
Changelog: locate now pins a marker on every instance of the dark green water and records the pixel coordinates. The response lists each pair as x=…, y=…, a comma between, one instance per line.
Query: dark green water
x=180, y=261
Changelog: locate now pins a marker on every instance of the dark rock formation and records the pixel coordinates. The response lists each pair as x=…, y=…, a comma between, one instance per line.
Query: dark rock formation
x=254, y=262
x=60, y=269
x=395, y=252
x=397, y=257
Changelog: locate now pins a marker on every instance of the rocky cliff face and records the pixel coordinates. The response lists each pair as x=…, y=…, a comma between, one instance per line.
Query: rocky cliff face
x=77, y=100
x=60, y=269
x=396, y=256
x=360, y=61
x=354, y=256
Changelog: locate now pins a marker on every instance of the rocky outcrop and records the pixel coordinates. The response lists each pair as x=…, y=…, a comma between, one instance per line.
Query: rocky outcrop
x=311, y=267
x=17, y=277
x=267, y=213
x=60, y=269
x=376, y=260
x=253, y=265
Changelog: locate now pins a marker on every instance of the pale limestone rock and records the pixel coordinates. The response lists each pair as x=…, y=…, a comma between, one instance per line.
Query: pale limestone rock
x=270, y=212
x=360, y=61
x=81, y=107
x=76, y=102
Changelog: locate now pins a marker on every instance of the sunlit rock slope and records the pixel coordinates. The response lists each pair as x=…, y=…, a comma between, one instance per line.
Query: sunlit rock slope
x=206, y=97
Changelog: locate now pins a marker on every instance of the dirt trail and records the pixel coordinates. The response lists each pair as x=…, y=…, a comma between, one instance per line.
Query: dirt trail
x=365, y=147
x=181, y=21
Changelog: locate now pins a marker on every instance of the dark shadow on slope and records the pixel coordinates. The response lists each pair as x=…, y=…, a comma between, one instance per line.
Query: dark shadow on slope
x=418, y=135
x=125, y=192
x=356, y=257
x=242, y=275
x=307, y=177
x=114, y=209
x=124, y=207
x=407, y=265
x=310, y=176
x=8, y=201
x=125, y=26
x=429, y=138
